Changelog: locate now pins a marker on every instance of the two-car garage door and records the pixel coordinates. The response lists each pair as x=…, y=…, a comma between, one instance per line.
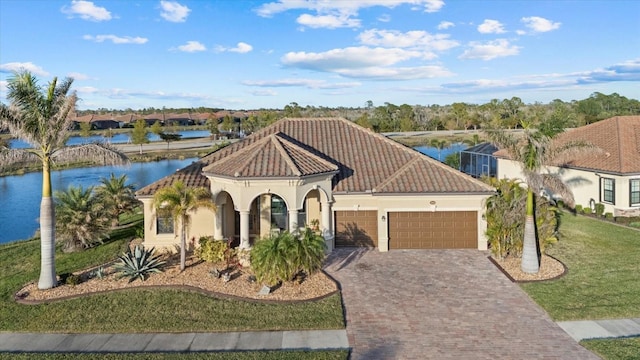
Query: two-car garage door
x=409, y=230
x=433, y=230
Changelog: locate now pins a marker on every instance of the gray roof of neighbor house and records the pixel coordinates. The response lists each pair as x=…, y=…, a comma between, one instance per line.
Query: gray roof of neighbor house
x=365, y=162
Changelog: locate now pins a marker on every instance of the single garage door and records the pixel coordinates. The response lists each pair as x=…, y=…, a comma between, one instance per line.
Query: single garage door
x=433, y=230
x=356, y=228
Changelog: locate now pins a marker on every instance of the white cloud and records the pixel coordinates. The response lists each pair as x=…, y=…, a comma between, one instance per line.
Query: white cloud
x=173, y=11
x=444, y=25
x=78, y=76
x=3, y=85
x=264, y=92
x=192, y=46
x=87, y=90
x=241, y=48
x=397, y=73
x=490, y=50
x=86, y=10
x=116, y=39
x=327, y=21
x=539, y=25
x=491, y=27
x=26, y=66
x=340, y=14
x=307, y=83
x=417, y=40
x=384, y=18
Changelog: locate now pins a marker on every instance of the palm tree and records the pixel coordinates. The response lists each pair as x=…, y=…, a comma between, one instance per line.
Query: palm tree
x=117, y=196
x=178, y=201
x=439, y=144
x=40, y=117
x=83, y=219
x=532, y=149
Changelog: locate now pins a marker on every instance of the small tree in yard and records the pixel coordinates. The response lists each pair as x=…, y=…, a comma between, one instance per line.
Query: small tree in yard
x=169, y=138
x=178, y=201
x=83, y=220
x=156, y=128
x=85, y=129
x=140, y=134
x=117, y=196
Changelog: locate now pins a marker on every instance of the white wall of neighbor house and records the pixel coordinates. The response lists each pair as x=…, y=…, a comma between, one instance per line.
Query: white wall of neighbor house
x=585, y=185
x=385, y=204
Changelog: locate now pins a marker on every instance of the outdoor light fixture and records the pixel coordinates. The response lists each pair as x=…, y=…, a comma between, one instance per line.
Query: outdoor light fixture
x=432, y=202
x=383, y=218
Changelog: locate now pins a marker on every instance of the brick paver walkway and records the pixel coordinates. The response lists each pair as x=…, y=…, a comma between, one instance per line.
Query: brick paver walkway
x=441, y=304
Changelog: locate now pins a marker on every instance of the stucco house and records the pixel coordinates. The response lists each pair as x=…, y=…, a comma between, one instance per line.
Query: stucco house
x=611, y=178
x=360, y=188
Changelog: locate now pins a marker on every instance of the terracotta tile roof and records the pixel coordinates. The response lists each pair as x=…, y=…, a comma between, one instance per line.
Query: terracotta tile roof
x=367, y=162
x=272, y=156
x=618, y=137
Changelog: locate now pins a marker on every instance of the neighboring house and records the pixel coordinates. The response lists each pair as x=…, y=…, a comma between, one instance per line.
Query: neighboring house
x=359, y=187
x=611, y=178
x=478, y=160
x=99, y=122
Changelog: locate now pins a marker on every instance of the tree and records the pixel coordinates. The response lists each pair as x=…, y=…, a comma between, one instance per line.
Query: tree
x=228, y=123
x=212, y=126
x=453, y=160
x=169, y=137
x=41, y=118
x=140, y=134
x=156, y=128
x=83, y=220
x=85, y=129
x=531, y=151
x=117, y=196
x=178, y=201
x=439, y=144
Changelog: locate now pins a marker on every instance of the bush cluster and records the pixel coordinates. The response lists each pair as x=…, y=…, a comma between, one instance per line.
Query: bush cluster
x=282, y=257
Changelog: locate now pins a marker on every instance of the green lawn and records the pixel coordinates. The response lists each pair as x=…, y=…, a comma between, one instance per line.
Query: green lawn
x=603, y=281
x=615, y=349
x=141, y=310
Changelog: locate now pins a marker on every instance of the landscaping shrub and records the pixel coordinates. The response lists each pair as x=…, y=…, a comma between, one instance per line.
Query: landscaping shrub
x=70, y=279
x=505, y=217
x=284, y=256
x=212, y=250
x=138, y=263
x=608, y=216
x=599, y=209
x=587, y=210
x=578, y=208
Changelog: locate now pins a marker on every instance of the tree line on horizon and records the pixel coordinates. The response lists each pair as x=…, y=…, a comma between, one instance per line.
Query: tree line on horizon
x=506, y=113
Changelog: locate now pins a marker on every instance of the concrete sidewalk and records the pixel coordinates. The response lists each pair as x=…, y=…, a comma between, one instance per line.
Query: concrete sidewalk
x=588, y=329
x=174, y=342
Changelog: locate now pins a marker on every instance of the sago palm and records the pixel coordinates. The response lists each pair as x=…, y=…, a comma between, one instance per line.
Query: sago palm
x=178, y=201
x=117, y=196
x=83, y=220
x=532, y=150
x=40, y=117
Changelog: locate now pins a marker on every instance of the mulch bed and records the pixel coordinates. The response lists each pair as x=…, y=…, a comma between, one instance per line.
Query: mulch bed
x=550, y=268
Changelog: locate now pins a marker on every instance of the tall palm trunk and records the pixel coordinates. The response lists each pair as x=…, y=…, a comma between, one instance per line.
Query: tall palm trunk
x=530, y=262
x=47, y=232
x=183, y=244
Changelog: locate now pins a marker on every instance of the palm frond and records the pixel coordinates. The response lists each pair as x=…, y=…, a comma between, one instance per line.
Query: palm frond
x=10, y=157
x=554, y=183
x=97, y=153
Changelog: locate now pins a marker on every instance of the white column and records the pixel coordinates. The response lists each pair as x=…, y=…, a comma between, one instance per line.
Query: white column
x=293, y=220
x=244, y=230
x=327, y=225
x=217, y=227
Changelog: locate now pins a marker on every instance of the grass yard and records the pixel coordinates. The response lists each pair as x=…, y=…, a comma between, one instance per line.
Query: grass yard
x=603, y=281
x=141, y=310
x=614, y=349
x=249, y=355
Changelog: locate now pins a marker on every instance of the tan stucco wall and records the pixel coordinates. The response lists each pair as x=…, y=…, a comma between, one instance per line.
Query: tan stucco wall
x=585, y=185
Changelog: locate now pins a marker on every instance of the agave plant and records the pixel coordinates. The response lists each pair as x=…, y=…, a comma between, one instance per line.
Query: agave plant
x=138, y=263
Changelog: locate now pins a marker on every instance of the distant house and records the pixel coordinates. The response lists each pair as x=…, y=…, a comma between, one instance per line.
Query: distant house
x=611, y=178
x=99, y=122
x=478, y=160
x=361, y=188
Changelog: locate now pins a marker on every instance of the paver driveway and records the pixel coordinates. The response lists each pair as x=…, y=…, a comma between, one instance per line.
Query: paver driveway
x=441, y=304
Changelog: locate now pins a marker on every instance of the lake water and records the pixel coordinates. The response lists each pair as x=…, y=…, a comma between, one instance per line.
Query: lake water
x=115, y=139
x=20, y=195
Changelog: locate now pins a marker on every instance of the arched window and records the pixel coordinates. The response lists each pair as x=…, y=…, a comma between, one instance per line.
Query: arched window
x=278, y=213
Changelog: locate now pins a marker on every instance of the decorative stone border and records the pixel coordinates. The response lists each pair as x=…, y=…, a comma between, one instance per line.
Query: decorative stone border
x=186, y=288
x=564, y=272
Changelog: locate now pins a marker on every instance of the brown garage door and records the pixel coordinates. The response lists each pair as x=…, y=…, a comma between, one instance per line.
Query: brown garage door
x=356, y=228
x=433, y=230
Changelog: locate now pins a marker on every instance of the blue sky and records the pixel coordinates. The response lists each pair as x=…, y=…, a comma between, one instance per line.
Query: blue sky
x=267, y=54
